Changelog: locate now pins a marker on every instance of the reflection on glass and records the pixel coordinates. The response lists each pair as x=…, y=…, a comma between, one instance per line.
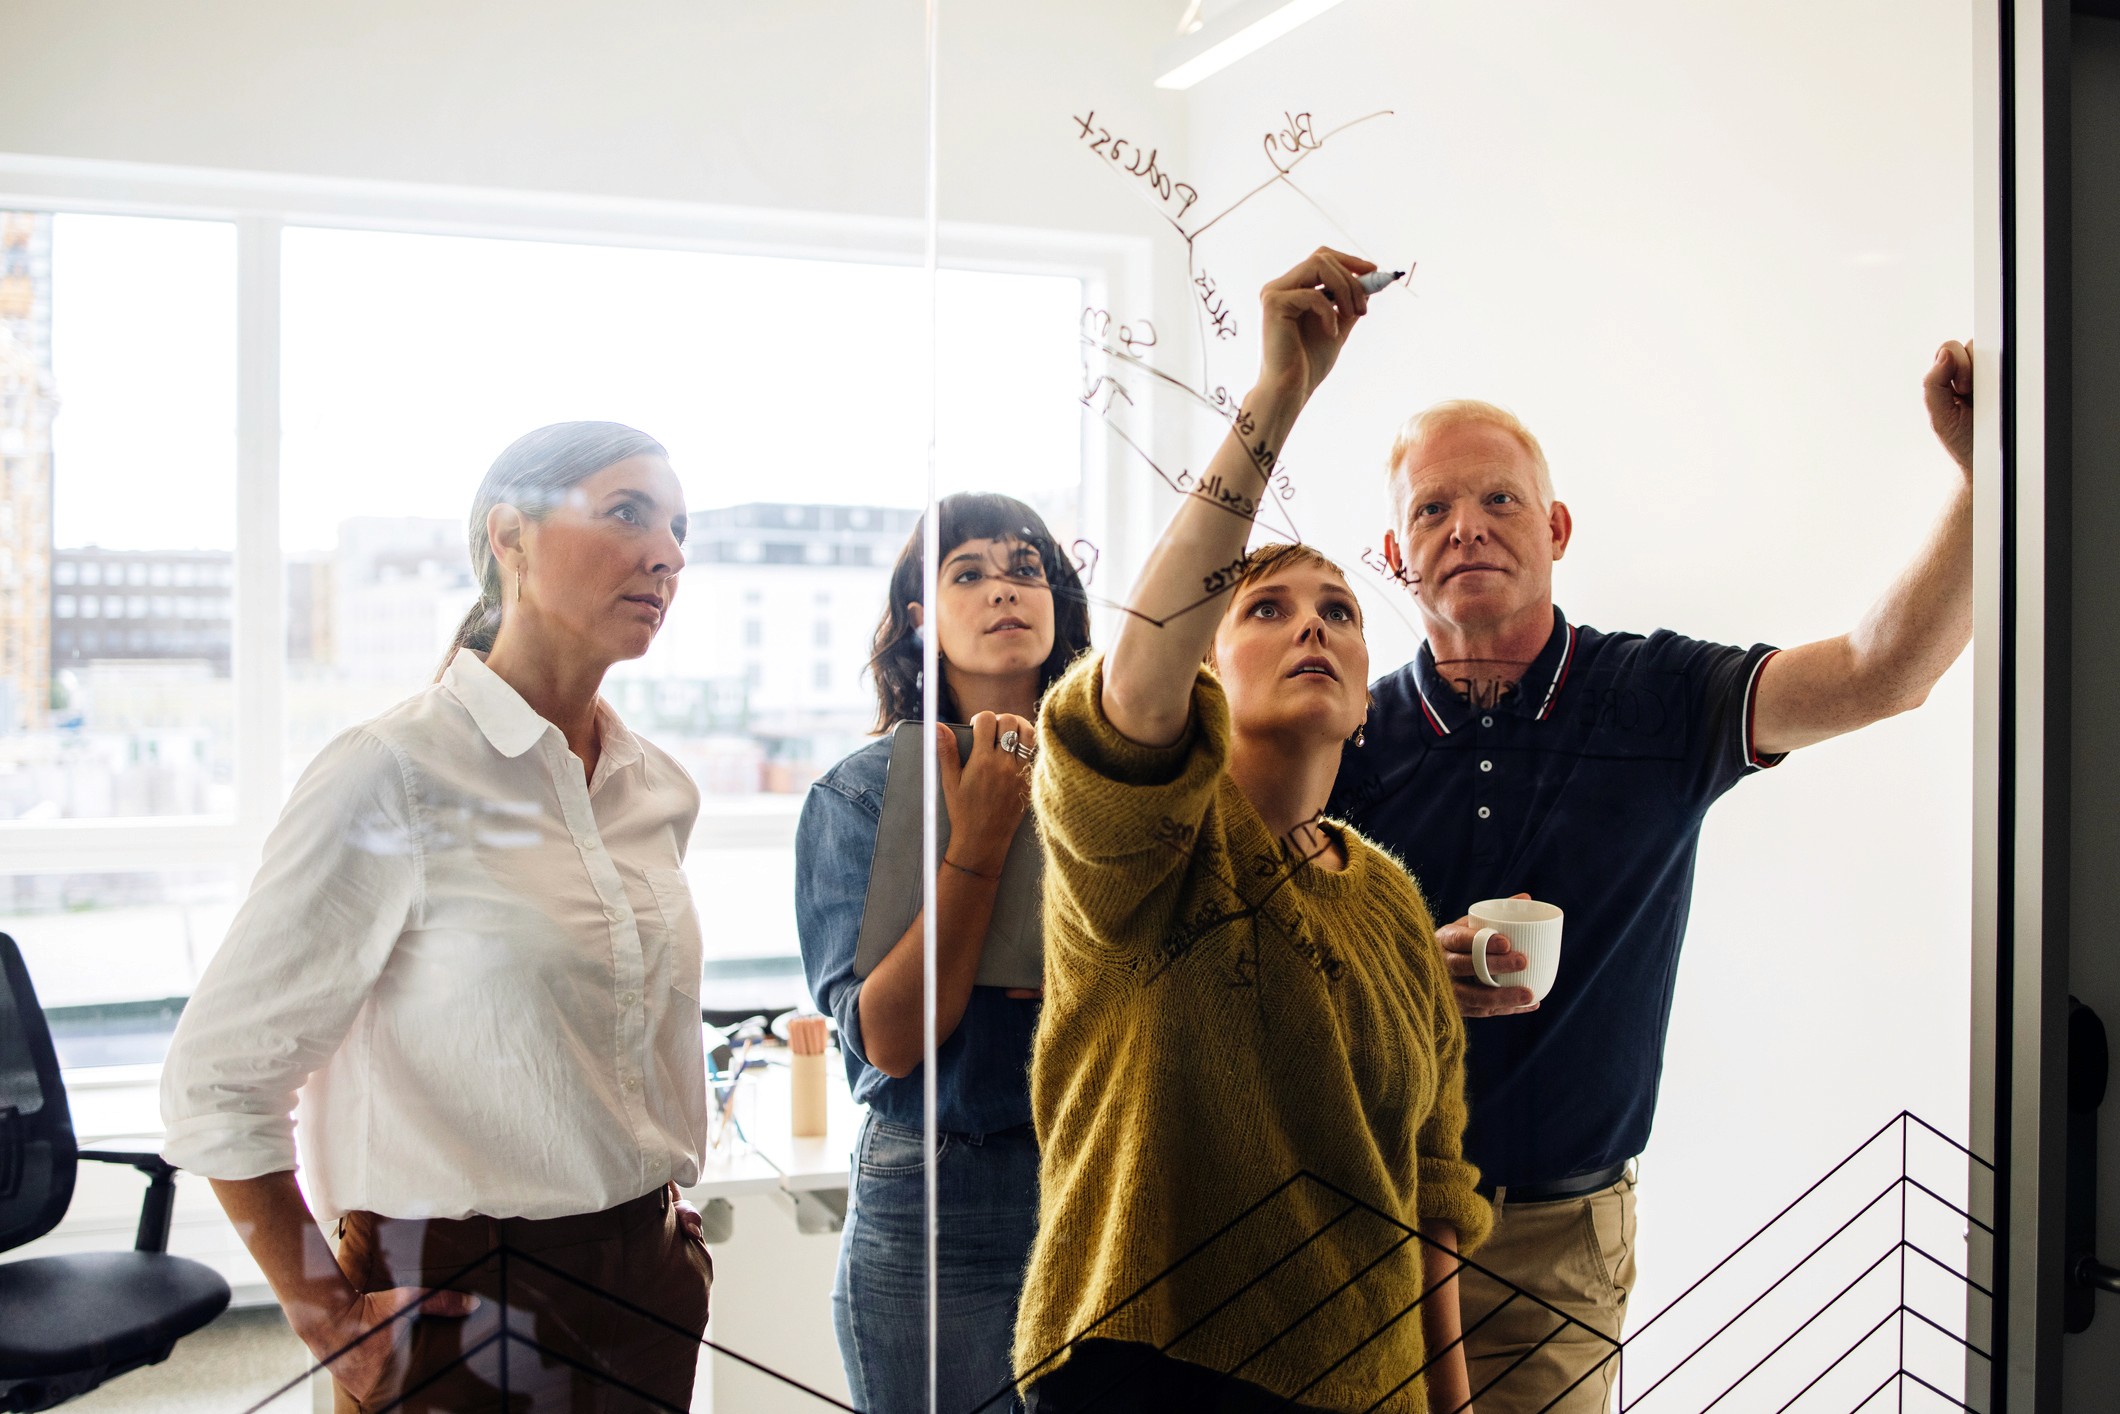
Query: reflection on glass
x=1703, y=256
x=117, y=426
x=785, y=392
x=1717, y=313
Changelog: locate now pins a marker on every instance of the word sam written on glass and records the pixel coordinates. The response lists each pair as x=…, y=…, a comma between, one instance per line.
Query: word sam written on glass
x=1097, y=324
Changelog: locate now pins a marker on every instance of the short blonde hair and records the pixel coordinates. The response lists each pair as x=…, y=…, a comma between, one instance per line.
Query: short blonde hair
x=1461, y=412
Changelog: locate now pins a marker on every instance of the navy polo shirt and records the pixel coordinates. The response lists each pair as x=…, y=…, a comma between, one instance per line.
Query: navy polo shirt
x=1584, y=787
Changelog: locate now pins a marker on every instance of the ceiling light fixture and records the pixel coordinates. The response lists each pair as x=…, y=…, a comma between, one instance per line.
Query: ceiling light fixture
x=1239, y=29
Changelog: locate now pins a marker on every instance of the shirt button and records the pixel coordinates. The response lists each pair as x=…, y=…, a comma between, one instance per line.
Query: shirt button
x=1486, y=765
x=1486, y=721
x=1485, y=812
x=628, y=998
x=631, y=1082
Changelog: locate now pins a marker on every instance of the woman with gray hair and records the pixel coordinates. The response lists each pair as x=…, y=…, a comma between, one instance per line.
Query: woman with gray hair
x=471, y=958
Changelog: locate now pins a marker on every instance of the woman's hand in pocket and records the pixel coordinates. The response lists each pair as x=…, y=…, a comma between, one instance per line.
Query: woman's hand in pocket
x=365, y=1339
x=688, y=1216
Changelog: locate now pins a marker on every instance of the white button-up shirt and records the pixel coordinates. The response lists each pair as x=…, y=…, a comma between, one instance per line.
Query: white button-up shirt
x=479, y=972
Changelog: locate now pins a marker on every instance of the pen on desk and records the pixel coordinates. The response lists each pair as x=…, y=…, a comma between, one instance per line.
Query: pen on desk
x=741, y=1063
x=743, y=1060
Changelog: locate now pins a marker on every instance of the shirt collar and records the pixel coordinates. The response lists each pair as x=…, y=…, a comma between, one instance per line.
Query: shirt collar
x=510, y=723
x=617, y=747
x=1536, y=696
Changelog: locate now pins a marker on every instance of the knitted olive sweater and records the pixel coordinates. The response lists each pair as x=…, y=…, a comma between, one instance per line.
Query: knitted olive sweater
x=1247, y=1081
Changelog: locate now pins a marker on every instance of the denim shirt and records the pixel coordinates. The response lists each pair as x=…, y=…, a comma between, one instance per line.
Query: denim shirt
x=983, y=1067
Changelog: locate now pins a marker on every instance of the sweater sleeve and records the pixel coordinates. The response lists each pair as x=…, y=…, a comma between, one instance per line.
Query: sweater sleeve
x=1449, y=1185
x=1123, y=824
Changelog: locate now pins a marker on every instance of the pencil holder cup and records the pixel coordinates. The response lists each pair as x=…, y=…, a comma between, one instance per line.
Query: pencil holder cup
x=807, y=1080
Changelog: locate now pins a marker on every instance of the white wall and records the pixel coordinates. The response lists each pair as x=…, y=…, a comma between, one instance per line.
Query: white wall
x=807, y=105
x=1707, y=252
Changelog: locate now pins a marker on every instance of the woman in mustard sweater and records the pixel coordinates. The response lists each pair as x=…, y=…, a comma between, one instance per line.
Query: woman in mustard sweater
x=1248, y=1080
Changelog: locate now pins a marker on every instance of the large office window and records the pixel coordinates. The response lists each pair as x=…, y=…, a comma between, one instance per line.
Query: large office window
x=792, y=395
x=117, y=432
x=117, y=575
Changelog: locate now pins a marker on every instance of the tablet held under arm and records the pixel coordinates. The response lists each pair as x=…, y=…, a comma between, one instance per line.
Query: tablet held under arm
x=1015, y=944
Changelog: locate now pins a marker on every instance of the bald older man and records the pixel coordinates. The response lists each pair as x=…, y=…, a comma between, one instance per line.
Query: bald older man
x=1521, y=753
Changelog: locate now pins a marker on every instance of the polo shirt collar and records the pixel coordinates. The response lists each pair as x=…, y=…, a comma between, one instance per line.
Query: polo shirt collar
x=509, y=723
x=1536, y=696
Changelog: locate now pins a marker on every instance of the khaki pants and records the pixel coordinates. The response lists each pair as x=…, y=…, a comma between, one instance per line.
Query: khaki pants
x=573, y=1347
x=1576, y=1254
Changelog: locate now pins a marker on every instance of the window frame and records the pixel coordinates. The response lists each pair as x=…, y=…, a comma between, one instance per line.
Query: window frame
x=1115, y=273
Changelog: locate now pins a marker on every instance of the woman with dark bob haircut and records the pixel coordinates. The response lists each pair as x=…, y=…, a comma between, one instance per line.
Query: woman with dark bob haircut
x=1009, y=618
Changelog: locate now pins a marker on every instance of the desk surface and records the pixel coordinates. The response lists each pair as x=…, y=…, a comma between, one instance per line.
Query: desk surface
x=806, y=1164
x=797, y=1165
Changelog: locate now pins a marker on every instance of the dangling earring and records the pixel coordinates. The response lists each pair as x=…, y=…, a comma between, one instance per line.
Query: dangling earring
x=1361, y=735
x=518, y=584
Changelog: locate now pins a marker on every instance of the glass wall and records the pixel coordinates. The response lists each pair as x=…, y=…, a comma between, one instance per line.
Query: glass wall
x=1706, y=258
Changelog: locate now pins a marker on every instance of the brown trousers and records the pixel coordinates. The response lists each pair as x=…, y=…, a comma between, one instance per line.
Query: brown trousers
x=569, y=1345
x=1576, y=1254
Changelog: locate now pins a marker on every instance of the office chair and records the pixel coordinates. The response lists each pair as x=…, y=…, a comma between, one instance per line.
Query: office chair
x=69, y=1323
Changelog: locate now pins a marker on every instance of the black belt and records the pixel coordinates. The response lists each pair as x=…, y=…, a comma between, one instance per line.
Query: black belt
x=1574, y=1187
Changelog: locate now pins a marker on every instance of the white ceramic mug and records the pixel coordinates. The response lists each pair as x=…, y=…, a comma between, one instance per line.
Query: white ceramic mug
x=1532, y=928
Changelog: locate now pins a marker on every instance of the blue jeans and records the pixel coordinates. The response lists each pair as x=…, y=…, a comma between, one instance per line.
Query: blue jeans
x=988, y=1213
